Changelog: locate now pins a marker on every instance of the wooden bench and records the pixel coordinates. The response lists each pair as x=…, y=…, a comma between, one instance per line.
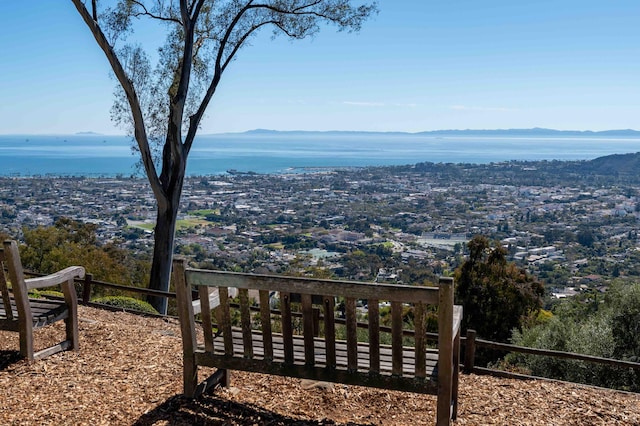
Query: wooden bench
x=252, y=344
x=22, y=314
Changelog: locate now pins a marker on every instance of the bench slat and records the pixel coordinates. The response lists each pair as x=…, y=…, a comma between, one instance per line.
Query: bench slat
x=224, y=319
x=265, y=323
x=245, y=321
x=356, y=290
x=330, y=330
x=352, y=334
x=396, y=336
x=320, y=372
x=374, y=335
x=205, y=310
x=287, y=327
x=408, y=384
x=307, y=324
x=420, y=341
x=320, y=353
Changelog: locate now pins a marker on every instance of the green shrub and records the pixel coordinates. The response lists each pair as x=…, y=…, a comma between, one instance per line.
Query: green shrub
x=610, y=331
x=37, y=294
x=125, y=302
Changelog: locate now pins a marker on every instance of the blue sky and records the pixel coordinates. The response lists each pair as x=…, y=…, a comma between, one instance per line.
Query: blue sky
x=417, y=65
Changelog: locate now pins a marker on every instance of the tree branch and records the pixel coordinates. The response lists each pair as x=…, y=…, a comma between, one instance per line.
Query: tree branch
x=221, y=64
x=145, y=12
x=140, y=132
x=94, y=8
x=195, y=9
x=317, y=2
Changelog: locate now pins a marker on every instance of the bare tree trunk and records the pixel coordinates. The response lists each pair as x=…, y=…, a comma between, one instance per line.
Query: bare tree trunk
x=164, y=236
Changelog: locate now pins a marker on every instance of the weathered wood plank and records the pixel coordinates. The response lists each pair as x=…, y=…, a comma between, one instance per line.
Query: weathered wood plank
x=187, y=327
x=214, y=380
x=213, y=299
x=352, y=333
x=205, y=310
x=245, y=321
x=420, y=340
x=396, y=336
x=374, y=335
x=265, y=321
x=224, y=319
x=308, y=332
x=62, y=346
x=330, y=330
x=408, y=384
x=445, y=350
x=357, y=290
x=287, y=326
x=7, y=312
x=341, y=359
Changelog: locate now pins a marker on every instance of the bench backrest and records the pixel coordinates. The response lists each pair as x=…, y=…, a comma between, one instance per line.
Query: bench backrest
x=310, y=296
x=11, y=271
x=4, y=289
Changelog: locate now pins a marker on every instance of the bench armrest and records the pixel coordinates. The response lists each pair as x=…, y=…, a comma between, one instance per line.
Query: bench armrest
x=56, y=278
x=457, y=320
x=214, y=301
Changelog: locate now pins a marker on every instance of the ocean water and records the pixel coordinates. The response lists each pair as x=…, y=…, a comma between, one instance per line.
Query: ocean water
x=92, y=155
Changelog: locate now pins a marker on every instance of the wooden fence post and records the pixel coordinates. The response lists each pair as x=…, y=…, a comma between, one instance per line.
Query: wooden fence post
x=86, y=288
x=470, y=351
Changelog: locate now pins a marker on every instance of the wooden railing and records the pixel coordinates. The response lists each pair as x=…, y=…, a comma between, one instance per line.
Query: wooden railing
x=471, y=342
x=89, y=282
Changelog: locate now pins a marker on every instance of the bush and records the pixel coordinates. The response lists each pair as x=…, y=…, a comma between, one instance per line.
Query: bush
x=611, y=331
x=37, y=294
x=127, y=303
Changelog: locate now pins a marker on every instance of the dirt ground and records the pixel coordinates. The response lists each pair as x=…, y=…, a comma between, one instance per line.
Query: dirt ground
x=128, y=371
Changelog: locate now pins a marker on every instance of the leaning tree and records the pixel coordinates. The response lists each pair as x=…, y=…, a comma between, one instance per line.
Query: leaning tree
x=162, y=105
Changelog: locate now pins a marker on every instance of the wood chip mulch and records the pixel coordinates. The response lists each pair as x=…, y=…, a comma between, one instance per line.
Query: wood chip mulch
x=128, y=371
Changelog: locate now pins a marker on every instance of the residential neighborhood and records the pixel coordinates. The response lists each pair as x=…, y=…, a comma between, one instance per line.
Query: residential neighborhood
x=358, y=223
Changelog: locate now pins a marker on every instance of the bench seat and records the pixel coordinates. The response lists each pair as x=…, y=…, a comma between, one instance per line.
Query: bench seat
x=318, y=371
x=43, y=311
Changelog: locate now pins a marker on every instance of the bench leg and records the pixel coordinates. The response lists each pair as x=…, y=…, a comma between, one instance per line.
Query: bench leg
x=226, y=378
x=456, y=376
x=26, y=342
x=71, y=322
x=189, y=375
x=219, y=378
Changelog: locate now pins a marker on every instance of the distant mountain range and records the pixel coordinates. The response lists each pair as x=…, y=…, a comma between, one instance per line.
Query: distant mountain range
x=534, y=132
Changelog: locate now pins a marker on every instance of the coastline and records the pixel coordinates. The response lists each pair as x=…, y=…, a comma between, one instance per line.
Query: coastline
x=111, y=156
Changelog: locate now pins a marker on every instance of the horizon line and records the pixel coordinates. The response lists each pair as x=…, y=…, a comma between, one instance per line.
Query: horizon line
x=262, y=130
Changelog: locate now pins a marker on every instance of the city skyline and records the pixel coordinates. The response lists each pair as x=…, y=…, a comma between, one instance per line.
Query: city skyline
x=414, y=67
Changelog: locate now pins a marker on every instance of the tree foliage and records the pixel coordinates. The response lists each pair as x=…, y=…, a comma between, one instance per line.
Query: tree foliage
x=497, y=296
x=68, y=242
x=608, y=329
x=162, y=105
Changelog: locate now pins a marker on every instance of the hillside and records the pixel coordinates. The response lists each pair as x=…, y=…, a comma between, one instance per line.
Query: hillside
x=128, y=371
x=620, y=164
